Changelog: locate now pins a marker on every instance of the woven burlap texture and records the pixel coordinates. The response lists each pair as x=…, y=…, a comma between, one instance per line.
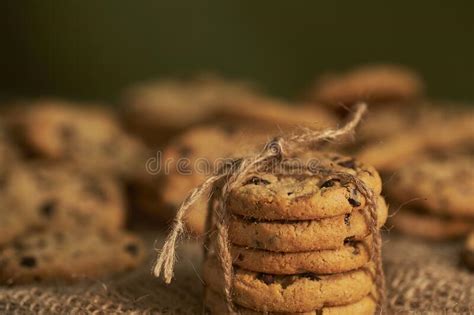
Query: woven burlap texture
x=422, y=277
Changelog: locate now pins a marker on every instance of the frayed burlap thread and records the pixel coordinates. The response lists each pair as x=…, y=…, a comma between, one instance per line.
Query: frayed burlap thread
x=232, y=175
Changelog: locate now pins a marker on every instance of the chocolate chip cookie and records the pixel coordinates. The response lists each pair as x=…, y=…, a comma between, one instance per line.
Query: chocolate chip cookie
x=444, y=186
x=373, y=84
x=81, y=133
x=70, y=197
x=285, y=197
x=74, y=255
x=301, y=236
x=295, y=293
x=353, y=255
x=215, y=304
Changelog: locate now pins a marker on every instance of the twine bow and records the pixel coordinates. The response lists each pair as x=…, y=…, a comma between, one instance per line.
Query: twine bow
x=232, y=174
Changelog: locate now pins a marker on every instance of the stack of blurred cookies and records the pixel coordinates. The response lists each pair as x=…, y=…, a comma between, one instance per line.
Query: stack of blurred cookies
x=63, y=209
x=299, y=242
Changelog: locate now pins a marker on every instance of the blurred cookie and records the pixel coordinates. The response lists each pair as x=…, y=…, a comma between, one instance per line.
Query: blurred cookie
x=373, y=84
x=468, y=253
x=89, y=136
x=298, y=236
x=428, y=132
x=156, y=111
x=429, y=226
x=272, y=197
x=69, y=197
x=71, y=255
x=215, y=304
x=291, y=293
x=187, y=161
x=444, y=186
x=18, y=202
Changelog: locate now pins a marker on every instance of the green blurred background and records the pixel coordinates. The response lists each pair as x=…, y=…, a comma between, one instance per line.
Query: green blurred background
x=93, y=49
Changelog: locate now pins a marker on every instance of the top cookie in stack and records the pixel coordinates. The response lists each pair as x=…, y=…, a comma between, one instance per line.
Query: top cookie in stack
x=299, y=242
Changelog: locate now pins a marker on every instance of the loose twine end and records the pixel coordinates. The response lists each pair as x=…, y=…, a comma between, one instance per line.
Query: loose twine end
x=277, y=148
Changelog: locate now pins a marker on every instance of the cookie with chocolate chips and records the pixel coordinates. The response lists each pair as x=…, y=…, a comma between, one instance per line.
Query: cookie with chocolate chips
x=468, y=252
x=291, y=293
x=215, y=304
x=86, y=135
x=75, y=255
x=18, y=201
x=302, y=236
x=187, y=161
x=70, y=197
x=315, y=196
x=374, y=84
x=352, y=255
x=444, y=186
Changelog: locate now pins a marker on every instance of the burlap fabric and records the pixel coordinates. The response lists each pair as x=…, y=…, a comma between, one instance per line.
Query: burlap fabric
x=421, y=278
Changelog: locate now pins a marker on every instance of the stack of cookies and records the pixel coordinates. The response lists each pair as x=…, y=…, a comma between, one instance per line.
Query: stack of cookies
x=300, y=243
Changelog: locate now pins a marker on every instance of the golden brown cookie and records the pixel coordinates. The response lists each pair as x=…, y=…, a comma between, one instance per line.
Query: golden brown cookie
x=216, y=305
x=69, y=197
x=285, y=197
x=300, y=293
x=373, y=84
x=353, y=255
x=468, y=253
x=430, y=226
x=302, y=236
x=18, y=201
x=157, y=111
x=443, y=186
x=89, y=136
x=71, y=255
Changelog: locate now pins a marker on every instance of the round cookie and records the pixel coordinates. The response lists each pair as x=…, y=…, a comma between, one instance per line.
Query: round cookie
x=156, y=111
x=89, y=136
x=189, y=160
x=18, y=201
x=68, y=197
x=351, y=256
x=439, y=186
x=277, y=197
x=430, y=226
x=300, y=293
x=468, y=253
x=302, y=236
x=374, y=84
x=216, y=305
x=71, y=255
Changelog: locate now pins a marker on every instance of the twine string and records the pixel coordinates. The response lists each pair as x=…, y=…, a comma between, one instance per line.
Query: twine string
x=232, y=175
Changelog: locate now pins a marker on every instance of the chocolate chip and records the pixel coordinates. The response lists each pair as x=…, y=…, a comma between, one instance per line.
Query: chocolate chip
x=94, y=189
x=266, y=278
x=354, y=202
x=290, y=193
x=311, y=276
x=184, y=151
x=348, y=164
x=28, y=261
x=287, y=281
x=257, y=181
x=329, y=183
x=66, y=132
x=349, y=240
x=347, y=219
x=48, y=208
x=132, y=249
x=240, y=257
